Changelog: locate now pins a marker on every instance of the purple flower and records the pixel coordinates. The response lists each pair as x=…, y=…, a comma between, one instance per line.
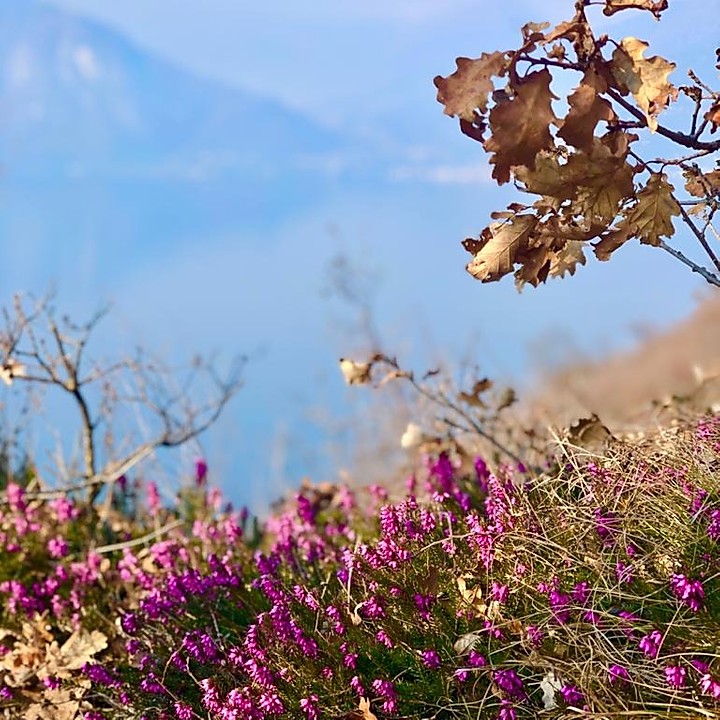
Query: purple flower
x=558, y=604
x=581, y=592
x=500, y=592
x=383, y=638
x=201, y=470
x=607, y=524
x=623, y=573
x=57, y=547
x=99, y=675
x=650, y=644
x=475, y=659
x=713, y=530
x=386, y=690
x=183, y=711
x=309, y=706
x=572, y=696
x=507, y=711
x=151, y=686
x=357, y=686
x=691, y=592
x=675, y=676
x=431, y=659
x=710, y=686
x=271, y=703
x=511, y=683
x=618, y=673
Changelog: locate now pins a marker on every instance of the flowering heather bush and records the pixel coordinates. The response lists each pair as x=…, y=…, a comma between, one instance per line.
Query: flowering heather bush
x=592, y=589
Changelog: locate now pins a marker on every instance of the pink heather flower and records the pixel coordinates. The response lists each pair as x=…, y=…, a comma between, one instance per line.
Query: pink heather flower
x=559, y=603
x=572, y=696
x=507, y=711
x=201, y=470
x=475, y=659
x=372, y=609
x=411, y=484
x=623, y=573
x=581, y=592
x=183, y=711
x=153, y=498
x=384, y=638
x=386, y=690
x=64, y=509
x=357, y=686
x=618, y=673
x=675, y=676
x=309, y=706
x=691, y=592
x=57, y=547
x=15, y=496
x=271, y=703
x=500, y=592
x=650, y=644
x=431, y=659
x=710, y=686
x=511, y=683
x=461, y=675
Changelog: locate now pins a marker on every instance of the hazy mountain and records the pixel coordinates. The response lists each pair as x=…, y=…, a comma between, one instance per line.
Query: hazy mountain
x=110, y=155
x=77, y=99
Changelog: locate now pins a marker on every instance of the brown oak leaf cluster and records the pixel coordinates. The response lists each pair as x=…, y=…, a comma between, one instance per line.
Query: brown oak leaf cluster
x=587, y=185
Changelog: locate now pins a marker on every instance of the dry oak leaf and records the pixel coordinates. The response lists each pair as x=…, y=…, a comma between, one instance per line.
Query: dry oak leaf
x=587, y=109
x=645, y=78
x=713, y=116
x=58, y=704
x=606, y=178
x=502, y=243
x=589, y=434
x=534, y=267
x=76, y=651
x=654, y=6
x=520, y=125
x=473, y=397
x=599, y=180
x=469, y=86
x=703, y=184
x=651, y=218
x=568, y=258
x=611, y=241
x=364, y=708
x=355, y=373
x=10, y=370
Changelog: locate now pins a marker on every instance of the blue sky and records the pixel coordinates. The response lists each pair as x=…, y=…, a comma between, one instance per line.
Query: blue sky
x=360, y=62
x=366, y=68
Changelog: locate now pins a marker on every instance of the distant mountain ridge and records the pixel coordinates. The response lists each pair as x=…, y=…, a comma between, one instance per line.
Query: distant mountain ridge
x=78, y=99
x=110, y=156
